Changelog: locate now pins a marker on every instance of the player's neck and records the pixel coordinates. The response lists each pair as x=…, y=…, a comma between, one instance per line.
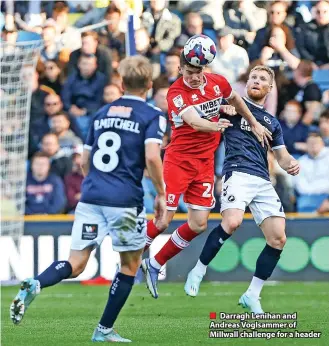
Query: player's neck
x=257, y=102
x=141, y=95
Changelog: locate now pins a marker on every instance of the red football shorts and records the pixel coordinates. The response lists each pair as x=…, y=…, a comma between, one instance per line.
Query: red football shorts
x=192, y=177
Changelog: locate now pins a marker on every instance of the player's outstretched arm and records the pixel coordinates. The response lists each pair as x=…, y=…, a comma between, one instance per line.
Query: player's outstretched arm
x=286, y=161
x=192, y=118
x=154, y=167
x=85, y=162
x=262, y=134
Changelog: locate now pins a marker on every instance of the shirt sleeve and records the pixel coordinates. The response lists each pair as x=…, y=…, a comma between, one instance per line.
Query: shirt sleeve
x=177, y=101
x=156, y=129
x=224, y=86
x=277, y=137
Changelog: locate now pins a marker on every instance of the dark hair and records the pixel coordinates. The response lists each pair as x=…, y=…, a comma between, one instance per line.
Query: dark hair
x=174, y=52
x=61, y=113
x=295, y=103
x=325, y=114
x=39, y=154
x=183, y=62
x=112, y=8
x=88, y=56
x=272, y=3
x=61, y=6
x=93, y=34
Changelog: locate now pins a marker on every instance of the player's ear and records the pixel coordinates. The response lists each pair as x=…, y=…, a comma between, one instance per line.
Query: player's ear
x=149, y=85
x=180, y=70
x=122, y=86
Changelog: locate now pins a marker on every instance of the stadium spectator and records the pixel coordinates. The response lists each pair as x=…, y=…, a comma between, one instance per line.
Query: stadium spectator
x=295, y=133
x=279, y=51
x=82, y=93
x=312, y=183
x=231, y=60
x=69, y=36
x=277, y=13
x=90, y=46
x=324, y=127
x=193, y=26
x=309, y=93
x=44, y=191
x=73, y=183
x=61, y=165
x=111, y=36
x=240, y=17
x=111, y=93
x=51, y=46
x=60, y=126
x=313, y=38
x=51, y=76
x=171, y=66
x=162, y=25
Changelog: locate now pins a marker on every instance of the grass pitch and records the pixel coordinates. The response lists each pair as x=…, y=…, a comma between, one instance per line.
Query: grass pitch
x=67, y=314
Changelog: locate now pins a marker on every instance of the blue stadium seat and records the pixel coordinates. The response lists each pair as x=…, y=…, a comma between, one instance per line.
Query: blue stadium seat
x=321, y=78
x=25, y=36
x=211, y=33
x=309, y=203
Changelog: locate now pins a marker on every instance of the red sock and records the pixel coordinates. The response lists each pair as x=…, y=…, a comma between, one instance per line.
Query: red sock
x=178, y=241
x=151, y=234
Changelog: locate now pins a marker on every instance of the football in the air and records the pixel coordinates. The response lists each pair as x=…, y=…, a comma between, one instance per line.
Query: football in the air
x=200, y=50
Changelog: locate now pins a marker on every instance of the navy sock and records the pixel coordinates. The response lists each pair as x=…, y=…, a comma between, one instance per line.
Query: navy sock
x=266, y=262
x=55, y=273
x=119, y=292
x=213, y=244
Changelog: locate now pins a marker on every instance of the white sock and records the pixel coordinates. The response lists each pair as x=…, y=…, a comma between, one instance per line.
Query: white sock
x=255, y=287
x=155, y=264
x=200, y=268
x=104, y=330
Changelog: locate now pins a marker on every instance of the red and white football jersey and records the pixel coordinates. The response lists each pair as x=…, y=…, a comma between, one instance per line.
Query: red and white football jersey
x=186, y=141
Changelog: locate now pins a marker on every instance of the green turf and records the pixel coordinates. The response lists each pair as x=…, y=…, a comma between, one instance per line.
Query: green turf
x=67, y=314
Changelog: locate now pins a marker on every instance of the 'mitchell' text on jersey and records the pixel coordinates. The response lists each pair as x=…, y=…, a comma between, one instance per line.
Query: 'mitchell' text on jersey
x=117, y=151
x=243, y=152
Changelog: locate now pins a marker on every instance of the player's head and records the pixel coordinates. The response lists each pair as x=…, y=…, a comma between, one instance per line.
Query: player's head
x=260, y=83
x=136, y=74
x=192, y=75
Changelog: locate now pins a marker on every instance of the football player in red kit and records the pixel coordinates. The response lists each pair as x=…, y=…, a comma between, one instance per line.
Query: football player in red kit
x=194, y=104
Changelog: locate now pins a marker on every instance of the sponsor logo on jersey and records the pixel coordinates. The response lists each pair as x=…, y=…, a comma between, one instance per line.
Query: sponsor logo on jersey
x=231, y=198
x=177, y=120
x=89, y=231
x=178, y=101
x=119, y=111
x=267, y=119
x=245, y=125
x=217, y=90
x=209, y=109
x=195, y=97
x=171, y=198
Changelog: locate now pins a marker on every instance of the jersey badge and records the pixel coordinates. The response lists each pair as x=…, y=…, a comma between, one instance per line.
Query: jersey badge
x=216, y=90
x=195, y=97
x=178, y=101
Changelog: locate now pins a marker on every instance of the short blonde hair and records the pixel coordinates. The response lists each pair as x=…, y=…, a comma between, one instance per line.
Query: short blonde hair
x=269, y=71
x=136, y=72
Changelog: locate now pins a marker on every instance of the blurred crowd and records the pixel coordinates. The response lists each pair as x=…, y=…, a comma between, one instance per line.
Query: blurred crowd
x=77, y=73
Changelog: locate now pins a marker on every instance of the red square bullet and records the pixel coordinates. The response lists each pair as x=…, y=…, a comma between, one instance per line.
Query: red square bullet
x=212, y=315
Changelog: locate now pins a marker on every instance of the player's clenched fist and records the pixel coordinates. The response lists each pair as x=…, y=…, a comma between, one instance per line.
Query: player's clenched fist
x=227, y=109
x=293, y=168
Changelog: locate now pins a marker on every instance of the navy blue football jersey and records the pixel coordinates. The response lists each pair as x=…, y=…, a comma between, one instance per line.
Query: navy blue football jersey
x=117, y=138
x=243, y=152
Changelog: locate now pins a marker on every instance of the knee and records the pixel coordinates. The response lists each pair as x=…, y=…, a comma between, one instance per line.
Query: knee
x=277, y=242
x=198, y=226
x=130, y=268
x=231, y=224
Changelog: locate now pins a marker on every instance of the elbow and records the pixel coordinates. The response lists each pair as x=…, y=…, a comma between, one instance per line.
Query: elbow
x=152, y=159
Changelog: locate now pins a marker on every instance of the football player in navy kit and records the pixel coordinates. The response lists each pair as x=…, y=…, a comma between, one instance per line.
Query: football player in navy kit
x=124, y=138
x=246, y=182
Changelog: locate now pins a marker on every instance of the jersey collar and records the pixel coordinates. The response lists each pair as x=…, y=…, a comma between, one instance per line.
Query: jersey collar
x=253, y=103
x=201, y=87
x=133, y=97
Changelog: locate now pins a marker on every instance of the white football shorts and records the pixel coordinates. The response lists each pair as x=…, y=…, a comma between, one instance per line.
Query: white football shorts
x=240, y=190
x=92, y=223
